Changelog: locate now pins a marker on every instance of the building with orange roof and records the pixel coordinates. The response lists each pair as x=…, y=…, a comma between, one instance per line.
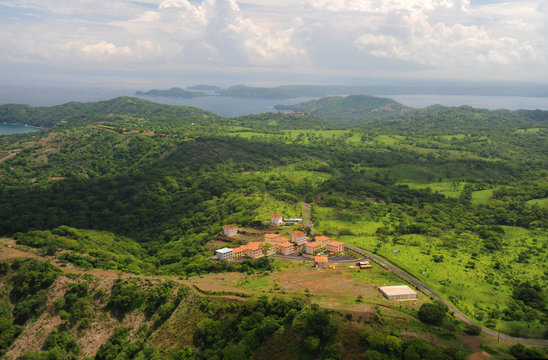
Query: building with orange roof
x=312, y=247
x=322, y=239
x=276, y=219
x=253, y=250
x=270, y=237
x=320, y=262
x=281, y=239
x=286, y=248
x=239, y=251
x=298, y=238
x=335, y=246
x=269, y=248
x=230, y=230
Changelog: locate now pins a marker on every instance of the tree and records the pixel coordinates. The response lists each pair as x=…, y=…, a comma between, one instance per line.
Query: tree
x=434, y=313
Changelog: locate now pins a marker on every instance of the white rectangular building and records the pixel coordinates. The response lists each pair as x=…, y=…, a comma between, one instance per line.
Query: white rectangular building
x=224, y=253
x=398, y=292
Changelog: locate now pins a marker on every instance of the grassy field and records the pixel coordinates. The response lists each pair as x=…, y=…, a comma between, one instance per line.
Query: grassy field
x=467, y=276
x=538, y=202
x=481, y=196
x=270, y=205
x=447, y=188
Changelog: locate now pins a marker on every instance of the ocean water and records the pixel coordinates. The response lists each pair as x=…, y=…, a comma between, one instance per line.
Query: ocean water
x=7, y=129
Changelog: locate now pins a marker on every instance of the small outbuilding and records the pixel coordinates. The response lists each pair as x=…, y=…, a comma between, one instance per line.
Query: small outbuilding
x=321, y=262
x=293, y=221
x=398, y=292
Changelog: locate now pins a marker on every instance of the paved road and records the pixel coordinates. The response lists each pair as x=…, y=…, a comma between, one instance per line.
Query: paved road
x=427, y=290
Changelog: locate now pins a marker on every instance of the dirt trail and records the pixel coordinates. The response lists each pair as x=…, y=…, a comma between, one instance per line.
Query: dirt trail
x=219, y=156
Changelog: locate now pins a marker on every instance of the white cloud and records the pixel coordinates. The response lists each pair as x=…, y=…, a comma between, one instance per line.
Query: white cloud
x=448, y=37
x=103, y=48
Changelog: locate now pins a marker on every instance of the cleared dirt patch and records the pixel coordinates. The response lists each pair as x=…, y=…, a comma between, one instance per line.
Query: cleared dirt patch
x=225, y=282
x=480, y=356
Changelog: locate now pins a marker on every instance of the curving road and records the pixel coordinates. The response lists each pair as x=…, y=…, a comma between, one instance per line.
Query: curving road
x=430, y=292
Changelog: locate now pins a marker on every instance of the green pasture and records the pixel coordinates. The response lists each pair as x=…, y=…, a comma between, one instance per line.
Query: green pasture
x=529, y=131
x=269, y=205
x=482, y=196
x=538, y=202
x=476, y=292
x=335, y=222
x=447, y=188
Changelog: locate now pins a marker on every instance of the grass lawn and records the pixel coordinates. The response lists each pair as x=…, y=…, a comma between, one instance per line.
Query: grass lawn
x=538, y=202
x=481, y=196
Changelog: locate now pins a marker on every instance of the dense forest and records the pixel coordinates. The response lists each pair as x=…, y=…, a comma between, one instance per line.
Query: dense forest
x=132, y=186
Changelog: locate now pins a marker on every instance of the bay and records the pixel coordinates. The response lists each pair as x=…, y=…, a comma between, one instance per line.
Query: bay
x=7, y=129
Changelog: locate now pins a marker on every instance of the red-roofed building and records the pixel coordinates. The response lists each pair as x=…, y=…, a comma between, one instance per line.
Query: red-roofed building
x=269, y=248
x=298, y=238
x=320, y=262
x=270, y=237
x=230, y=230
x=312, y=247
x=253, y=250
x=286, y=248
x=276, y=219
x=281, y=240
x=239, y=251
x=321, y=239
x=335, y=246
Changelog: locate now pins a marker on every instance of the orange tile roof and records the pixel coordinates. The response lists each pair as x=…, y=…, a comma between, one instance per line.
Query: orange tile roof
x=335, y=243
x=281, y=239
x=230, y=226
x=285, y=244
x=297, y=234
x=271, y=236
x=276, y=216
x=313, y=244
x=239, y=249
x=320, y=259
x=253, y=245
x=321, y=238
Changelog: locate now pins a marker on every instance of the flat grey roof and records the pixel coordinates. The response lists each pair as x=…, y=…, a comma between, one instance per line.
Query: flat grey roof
x=224, y=250
x=397, y=290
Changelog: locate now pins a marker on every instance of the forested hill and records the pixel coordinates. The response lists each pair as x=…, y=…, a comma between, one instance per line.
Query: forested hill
x=351, y=110
x=81, y=113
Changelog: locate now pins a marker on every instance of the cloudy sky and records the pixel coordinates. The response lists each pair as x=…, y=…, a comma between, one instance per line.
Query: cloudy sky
x=180, y=42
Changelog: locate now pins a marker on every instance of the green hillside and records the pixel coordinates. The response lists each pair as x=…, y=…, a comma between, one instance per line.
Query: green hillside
x=137, y=188
x=351, y=110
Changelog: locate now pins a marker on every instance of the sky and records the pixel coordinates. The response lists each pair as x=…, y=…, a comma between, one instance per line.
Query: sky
x=159, y=43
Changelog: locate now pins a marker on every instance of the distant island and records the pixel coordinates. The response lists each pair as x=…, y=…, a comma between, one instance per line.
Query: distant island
x=317, y=91
x=173, y=92
x=204, y=88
